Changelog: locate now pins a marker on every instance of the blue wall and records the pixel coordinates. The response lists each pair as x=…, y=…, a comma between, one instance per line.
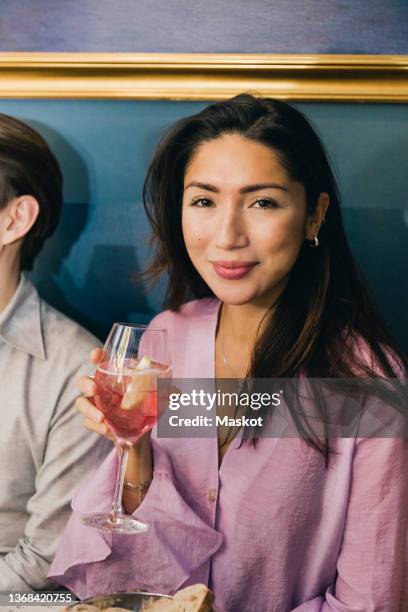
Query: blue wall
x=210, y=26
x=87, y=269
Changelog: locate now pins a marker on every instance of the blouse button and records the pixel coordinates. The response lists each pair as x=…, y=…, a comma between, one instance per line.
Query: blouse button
x=212, y=495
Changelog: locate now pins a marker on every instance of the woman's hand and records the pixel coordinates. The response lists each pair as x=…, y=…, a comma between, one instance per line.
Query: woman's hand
x=93, y=418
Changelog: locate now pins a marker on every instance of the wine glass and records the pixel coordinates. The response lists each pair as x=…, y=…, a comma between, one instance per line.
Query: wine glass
x=135, y=356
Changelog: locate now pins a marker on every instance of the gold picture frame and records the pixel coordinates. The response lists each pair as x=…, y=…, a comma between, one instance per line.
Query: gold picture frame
x=139, y=76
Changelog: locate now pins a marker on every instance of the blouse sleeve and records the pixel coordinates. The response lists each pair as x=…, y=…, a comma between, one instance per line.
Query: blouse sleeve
x=372, y=575
x=177, y=542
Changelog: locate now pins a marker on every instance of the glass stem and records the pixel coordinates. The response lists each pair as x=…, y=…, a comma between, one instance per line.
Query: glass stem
x=117, y=497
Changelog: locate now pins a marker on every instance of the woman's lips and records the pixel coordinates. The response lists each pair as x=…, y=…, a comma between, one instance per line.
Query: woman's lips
x=233, y=272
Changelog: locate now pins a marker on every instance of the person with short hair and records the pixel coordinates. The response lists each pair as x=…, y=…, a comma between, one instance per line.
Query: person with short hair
x=44, y=450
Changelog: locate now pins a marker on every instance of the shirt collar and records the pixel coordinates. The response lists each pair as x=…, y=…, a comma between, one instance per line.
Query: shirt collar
x=20, y=322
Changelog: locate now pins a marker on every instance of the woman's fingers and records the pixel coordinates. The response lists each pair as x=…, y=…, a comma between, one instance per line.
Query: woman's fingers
x=93, y=418
x=87, y=386
x=87, y=408
x=97, y=355
x=100, y=428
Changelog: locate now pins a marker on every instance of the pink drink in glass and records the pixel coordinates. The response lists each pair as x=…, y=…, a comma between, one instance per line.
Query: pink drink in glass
x=128, y=397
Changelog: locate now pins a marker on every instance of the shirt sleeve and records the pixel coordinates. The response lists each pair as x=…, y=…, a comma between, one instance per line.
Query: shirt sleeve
x=372, y=574
x=70, y=453
x=177, y=542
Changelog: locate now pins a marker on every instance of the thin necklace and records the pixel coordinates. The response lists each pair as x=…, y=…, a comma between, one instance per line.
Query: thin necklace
x=241, y=381
x=241, y=384
x=225, y=360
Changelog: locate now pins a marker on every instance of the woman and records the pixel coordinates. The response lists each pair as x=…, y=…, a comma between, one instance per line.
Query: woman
x=246, y=221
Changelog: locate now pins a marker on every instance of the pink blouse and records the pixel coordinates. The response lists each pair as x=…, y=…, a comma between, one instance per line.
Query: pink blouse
x=271, y=530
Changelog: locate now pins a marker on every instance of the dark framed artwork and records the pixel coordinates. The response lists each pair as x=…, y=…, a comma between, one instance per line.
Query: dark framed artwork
x=183, y=50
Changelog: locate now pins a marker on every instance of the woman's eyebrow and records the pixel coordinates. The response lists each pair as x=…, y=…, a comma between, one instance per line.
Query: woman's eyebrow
x=246, y=189
x=205, y=186
x=259, y=186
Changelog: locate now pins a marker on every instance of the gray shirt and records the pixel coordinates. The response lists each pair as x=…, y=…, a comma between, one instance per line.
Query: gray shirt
x=45, y=451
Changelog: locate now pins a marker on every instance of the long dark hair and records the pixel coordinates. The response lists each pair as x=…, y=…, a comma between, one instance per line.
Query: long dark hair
x=325, y=310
